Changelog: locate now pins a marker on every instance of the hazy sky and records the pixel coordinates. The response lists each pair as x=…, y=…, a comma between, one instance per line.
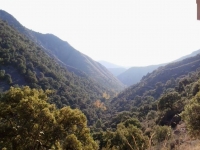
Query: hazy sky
x=124, y=32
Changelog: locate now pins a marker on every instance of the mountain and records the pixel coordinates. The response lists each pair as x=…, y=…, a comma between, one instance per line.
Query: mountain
x=114, y=69
x=172, y=75
x=194, y=53
x=66, y=55
x=24, y=63
x=117, y=71
x=134, y=74
x=109, y=65
x=155, y=113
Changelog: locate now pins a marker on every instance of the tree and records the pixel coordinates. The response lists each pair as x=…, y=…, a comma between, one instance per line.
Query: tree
x=191, y=116
x=129, y=138
x=28, y=121
x=169, y=105
x=161, y=133
x=8, y=78
x=195, y=88
x=167, y=101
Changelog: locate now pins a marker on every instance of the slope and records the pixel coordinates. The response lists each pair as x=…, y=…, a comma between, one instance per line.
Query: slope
x=194, y=53
x=157, y=82
x=156, y=105
x=117, y=71
x=109, y=65
x=67, y=55
x=134, y=74
x=114, y=69
x=22, y=62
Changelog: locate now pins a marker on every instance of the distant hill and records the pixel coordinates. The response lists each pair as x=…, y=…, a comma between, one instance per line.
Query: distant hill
x=114, y=69
x=134, y=74
x=65, y=54
x=117, y=71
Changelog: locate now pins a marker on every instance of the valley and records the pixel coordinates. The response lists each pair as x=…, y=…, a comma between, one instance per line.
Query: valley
x=55, y=97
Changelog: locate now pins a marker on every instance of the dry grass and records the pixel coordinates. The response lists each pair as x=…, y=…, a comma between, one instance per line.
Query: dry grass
x=186, y=145
x=190, y=145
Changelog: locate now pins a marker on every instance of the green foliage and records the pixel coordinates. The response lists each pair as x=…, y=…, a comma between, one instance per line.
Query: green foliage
x=195, y=88
x=167, y=101
x=161, y=133
x=175, y=75
x=8, y=78
x=151, y=115
x=129, y=138
x=191, y=116
x=133, y=121
x=169, y=106
x=22, y=62
x=98, y=124
x=28, y=121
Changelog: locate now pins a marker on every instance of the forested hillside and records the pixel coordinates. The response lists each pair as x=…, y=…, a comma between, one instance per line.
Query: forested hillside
x=156, y=107
x=67, y=55
x=22, y=62
x=159, y=81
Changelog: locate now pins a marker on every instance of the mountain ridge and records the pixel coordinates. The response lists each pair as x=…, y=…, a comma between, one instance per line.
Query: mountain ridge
x=24, y=63
x=134, y=74
x=62, y=50
x=109, y=64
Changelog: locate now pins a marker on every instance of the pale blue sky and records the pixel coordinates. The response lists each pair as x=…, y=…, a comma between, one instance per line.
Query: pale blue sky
x=124, y=32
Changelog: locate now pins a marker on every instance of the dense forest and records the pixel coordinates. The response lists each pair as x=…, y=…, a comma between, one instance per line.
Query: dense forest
x=24, y=63
x=45, y=105
x=163, y=101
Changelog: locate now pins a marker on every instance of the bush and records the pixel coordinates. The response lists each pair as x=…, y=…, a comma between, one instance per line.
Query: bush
x=191, y=116
x=162, y=133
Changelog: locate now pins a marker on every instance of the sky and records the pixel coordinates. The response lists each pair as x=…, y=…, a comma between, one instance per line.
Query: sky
x=123, y=32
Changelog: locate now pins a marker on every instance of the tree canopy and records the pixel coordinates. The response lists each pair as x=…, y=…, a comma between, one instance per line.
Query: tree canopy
x=191, y=116
x=28, y=121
